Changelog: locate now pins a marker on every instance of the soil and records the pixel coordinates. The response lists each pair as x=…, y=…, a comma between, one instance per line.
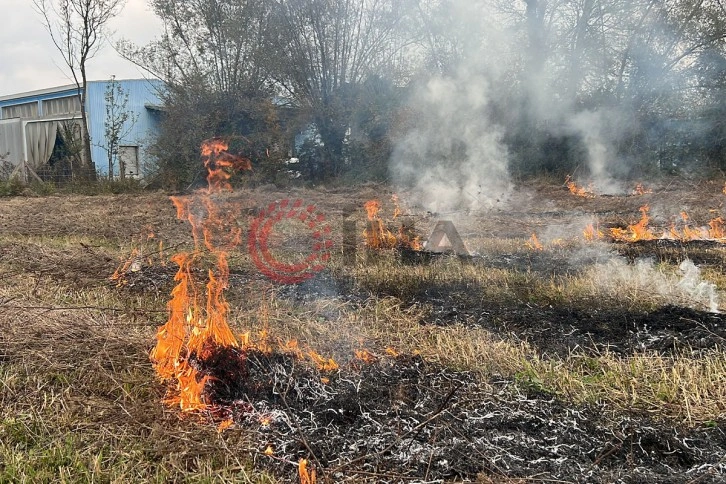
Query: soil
x=402, y=419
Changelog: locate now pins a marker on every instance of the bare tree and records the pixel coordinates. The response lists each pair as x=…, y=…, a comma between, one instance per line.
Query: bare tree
x=76, y=28
x=219, y=42
x=325, y=49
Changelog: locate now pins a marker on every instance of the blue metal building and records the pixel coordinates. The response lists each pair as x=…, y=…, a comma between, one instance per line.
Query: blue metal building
x=29, y=122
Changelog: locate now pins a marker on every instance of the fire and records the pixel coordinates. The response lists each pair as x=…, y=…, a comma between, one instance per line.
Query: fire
x=221, y=165
x=534, y=243
x=306, y=476
x=716, y=230
x=641, y=190
x=641, y=231
x=636, y=232
x=324, y=364
x=364, y=356
x=377, y=236
x=396, y=208
x=225, y=424
x=197, y=324
x=579, y=191
x=592, y=233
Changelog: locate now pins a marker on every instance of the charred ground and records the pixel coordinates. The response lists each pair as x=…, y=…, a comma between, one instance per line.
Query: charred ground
x=512, y=362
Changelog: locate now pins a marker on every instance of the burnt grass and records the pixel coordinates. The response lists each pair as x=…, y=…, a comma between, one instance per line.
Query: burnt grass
x=404, y=419
x=558, y=329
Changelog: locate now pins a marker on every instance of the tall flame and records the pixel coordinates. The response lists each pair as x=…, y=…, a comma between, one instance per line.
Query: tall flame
x=196, y=323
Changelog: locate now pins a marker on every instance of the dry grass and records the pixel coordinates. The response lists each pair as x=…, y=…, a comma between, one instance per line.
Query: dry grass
x=80, y=401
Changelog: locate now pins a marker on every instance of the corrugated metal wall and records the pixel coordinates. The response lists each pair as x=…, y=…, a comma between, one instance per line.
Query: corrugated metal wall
x=63, y=105
x=25, y=110
x=11, y=142
x=140, y=92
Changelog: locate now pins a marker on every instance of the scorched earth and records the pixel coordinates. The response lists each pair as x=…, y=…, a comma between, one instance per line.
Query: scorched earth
x=565, y=346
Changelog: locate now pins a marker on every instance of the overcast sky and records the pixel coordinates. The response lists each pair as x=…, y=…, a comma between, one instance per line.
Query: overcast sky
x=29, y=60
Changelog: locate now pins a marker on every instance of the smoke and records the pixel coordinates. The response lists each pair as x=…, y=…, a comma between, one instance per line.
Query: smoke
x=454, y=157
x=600, y=131
x=644, y=281
x=553, y=86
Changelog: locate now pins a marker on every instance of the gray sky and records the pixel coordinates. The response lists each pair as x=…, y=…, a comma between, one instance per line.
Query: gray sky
x=29, y=60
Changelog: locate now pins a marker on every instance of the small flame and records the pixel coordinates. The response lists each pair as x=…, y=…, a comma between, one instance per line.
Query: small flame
x=220, y=165
x=396, y=208
x=534, y=243
x=579, y=191
x=641, y=231
x=225, y=424
x=269, y=451
x=306, y=476
x=641, y=190
x=364, y=356
x=636, y=232
x=323, y=364
x=377, y=236
x=391, y=352
x=592, y=233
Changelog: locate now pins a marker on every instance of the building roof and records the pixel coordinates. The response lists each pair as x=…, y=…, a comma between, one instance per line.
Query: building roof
x=38, y=92
x=56, y=90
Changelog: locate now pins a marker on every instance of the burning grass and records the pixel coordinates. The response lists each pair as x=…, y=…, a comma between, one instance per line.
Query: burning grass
x=513, y=363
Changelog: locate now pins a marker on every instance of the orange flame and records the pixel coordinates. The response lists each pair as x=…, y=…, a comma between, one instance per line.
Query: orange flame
x=641, y=231
x=636, y=232
x=364, y=356
x=324, y=364
x=641, y=190
x=579, y=191
x=221, y=165
x=377, y=236
x=534, y=243
x=592, y=233
x=396, y=208
x=306, y=476
x=195, y=323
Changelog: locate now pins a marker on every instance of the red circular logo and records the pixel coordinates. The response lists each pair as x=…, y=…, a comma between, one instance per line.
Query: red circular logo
x=261, y=228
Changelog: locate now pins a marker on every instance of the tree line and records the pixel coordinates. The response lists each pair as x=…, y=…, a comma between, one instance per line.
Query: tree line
x=643, y=81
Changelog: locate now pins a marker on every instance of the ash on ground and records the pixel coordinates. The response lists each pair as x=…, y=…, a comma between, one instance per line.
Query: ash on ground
x=405, y=420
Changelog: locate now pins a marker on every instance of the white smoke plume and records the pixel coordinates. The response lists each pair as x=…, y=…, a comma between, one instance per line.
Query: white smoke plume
x=454, y=157
x=644, y=280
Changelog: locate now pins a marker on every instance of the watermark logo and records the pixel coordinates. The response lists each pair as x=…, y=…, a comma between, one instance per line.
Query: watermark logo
x=263, y=227
x=263, y=237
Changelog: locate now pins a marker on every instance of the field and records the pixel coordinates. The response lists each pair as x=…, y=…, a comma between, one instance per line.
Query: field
x=573, y=361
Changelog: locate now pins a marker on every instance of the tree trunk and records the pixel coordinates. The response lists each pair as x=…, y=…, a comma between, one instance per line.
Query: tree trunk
x=89, y=167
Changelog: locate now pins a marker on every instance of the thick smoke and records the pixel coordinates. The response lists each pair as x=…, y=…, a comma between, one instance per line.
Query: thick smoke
x=454, y=158
x=602, y=89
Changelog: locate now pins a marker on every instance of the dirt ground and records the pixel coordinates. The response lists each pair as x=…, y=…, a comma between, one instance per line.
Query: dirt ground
x=405, y=418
